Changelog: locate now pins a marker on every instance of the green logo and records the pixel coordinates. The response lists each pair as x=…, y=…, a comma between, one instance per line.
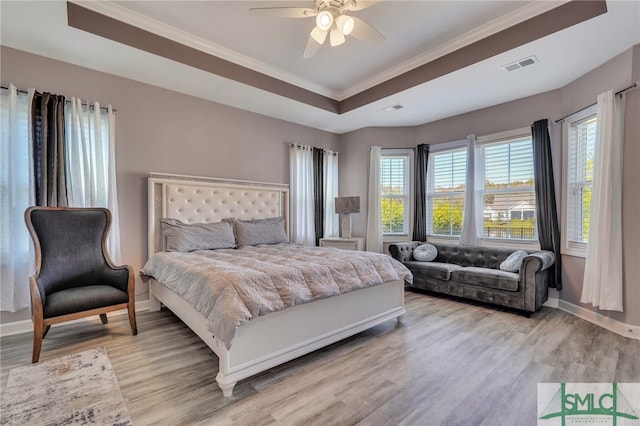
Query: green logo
x=589, y=403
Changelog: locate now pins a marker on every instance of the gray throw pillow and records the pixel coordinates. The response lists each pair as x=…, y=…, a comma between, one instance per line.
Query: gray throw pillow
x=513, y=262
x=425, y=252
x=260, y=231
x=180, y=236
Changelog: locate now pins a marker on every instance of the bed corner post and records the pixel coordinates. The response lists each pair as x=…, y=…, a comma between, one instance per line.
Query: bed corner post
x=154, y=303
x=226, y=385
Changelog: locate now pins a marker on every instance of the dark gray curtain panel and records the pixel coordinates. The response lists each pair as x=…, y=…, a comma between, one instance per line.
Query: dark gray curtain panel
x=47, y=113
x=318, y=189
x=546, y=211
x=420, y=217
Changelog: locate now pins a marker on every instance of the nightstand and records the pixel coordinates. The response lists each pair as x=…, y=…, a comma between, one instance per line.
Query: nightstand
x=353, y=243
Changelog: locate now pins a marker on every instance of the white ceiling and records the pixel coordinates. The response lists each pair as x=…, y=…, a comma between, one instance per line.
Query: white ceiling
x=417, y=32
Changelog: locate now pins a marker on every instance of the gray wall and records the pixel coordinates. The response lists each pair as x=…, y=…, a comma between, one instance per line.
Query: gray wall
x=616, y=74
x=158, y=130
x=164, y=131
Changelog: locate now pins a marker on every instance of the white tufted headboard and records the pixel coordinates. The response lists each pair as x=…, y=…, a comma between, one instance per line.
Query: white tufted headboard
x=193, y=199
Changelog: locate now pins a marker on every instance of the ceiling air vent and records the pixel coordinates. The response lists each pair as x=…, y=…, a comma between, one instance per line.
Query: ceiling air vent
x=520, y=64
x=393, y=107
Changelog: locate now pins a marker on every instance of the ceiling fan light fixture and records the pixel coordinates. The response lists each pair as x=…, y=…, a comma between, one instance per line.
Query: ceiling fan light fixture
x=319, y=35
x=345, y=24
x=324, y=20
x=336, y=38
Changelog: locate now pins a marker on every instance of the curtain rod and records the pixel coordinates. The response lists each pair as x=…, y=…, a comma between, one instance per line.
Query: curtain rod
x=401, y=148
x=323, y=150
x=66, y=99
x=619, y=92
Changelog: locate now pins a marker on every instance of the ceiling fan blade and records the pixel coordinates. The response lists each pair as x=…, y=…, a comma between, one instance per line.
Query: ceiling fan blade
x=312, y=47
x=357, y=5
x=336, y=38
x=283, y=12
x=366, y=33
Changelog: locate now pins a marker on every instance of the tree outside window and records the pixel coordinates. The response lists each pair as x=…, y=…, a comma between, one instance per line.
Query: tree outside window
x=395, y=191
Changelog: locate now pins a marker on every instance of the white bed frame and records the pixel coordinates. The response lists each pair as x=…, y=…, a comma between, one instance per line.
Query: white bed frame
x=274, y=339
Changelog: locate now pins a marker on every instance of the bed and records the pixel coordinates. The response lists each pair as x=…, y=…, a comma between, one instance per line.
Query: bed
x=258, y=344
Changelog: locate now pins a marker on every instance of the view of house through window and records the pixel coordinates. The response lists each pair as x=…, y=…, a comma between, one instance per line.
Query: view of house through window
x=506, y=187
x=395, y=191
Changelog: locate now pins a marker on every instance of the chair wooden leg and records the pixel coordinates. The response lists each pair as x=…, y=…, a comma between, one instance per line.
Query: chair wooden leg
x=38, y=335
x=46, y=330
x=103, y=318
x=132, y=318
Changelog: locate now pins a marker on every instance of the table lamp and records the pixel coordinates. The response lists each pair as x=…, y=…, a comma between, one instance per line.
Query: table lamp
x=344, y=207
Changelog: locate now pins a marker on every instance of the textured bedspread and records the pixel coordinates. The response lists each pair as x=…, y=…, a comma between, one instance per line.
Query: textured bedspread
x=231, y=286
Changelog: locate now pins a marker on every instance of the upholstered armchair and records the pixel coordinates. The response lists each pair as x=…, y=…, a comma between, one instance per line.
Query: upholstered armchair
x=74, y=275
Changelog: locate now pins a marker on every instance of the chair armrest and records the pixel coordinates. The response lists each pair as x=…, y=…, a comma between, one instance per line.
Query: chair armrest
x=38, y=297
x=403, y=252
x=120, y=277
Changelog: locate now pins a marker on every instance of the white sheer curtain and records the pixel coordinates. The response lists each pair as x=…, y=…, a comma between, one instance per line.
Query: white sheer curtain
x=331, y=219
x=301, y=187
x=91, y=167
x=602, y=285
x=470, y=234
x=16, y=194
x=374, y=215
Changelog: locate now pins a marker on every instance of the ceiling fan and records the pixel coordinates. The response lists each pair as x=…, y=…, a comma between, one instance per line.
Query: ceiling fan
x=331, y=20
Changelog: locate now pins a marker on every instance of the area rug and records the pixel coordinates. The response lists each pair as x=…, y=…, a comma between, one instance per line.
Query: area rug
x=74, y=389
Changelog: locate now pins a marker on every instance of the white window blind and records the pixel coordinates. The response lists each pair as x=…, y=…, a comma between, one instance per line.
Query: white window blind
x=580, y=151
x=446, y=178
x=395, y=192
x=505, y=184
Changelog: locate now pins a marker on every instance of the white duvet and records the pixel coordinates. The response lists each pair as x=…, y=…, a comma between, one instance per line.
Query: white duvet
x=232, y=286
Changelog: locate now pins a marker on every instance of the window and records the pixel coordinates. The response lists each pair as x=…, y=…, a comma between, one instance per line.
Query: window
x=505, y=188
x=502, y=179
x=447, y=173
x=580, y=132
x=89, y=173
x=395, y=190
x=16, y=252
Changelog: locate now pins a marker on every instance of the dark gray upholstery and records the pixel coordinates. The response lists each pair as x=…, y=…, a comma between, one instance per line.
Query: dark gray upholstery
x=74, y=275
x=84, y=298
x=474, y=273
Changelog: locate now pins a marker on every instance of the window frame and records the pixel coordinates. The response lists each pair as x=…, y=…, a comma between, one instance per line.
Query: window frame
x=409, y=153
x=532, y=244
x=572, y=247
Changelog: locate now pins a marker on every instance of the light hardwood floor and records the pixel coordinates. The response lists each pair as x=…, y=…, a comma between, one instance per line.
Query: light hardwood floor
x=449, y=363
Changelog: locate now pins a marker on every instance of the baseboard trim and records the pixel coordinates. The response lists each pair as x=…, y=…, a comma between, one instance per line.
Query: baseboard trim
x=626, y=330
x=26, y=326
x=618, y=327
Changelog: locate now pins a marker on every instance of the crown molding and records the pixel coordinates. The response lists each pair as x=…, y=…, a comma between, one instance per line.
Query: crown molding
x=121, y=13
x=128, y=16
x=510, y=19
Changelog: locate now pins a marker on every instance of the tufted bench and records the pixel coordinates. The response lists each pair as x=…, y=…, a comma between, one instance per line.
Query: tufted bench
x=473, y=272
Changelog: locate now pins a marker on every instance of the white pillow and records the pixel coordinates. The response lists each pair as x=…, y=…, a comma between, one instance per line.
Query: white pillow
x=513, y=262
x=425, y=252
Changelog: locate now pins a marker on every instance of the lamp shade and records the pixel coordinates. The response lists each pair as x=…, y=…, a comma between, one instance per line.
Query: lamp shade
x=345, y=24
x=324, y=20
x=345, y=205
